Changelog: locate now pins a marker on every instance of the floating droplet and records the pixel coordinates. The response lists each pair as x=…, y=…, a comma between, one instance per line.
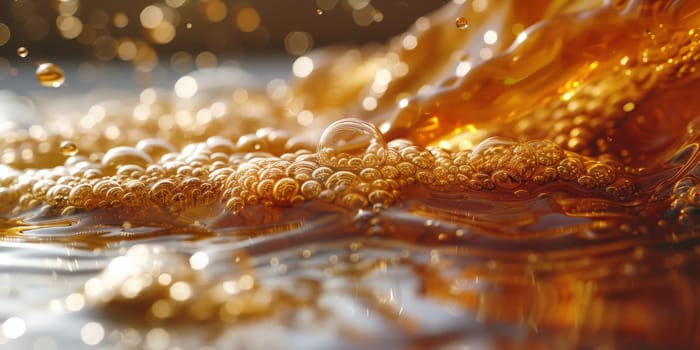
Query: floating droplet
x=50, y=75
x=188, y=25
x=69, y=148
x=22, y=52
x=461, y=23
x=345, y=142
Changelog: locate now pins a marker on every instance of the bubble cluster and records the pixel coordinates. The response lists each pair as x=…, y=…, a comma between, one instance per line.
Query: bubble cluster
x=581, y=119
x=354, y=168
x=685, y=203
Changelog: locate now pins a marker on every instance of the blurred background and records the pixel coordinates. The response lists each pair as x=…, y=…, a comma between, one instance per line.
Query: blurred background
x=96, y=41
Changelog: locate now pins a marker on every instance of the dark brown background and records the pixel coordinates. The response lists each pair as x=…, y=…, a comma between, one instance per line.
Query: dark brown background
x=278, y=17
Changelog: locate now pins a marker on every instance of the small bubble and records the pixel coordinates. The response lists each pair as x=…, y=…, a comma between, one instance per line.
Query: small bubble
x=461, y=23
x=50, y=75
x=22, y=52
x=319, y=12
x=285, y=189
x=188, y=25
x=69, y=148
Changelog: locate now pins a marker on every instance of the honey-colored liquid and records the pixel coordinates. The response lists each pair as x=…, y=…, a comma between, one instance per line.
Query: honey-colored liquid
x=506, y=173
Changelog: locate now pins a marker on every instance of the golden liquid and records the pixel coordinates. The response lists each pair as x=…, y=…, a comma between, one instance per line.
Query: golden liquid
x=531, y=164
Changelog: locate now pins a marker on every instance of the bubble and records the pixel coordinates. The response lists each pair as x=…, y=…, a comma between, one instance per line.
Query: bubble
x=390, y=172
x=221, y=144
x=58, y=195
x=504, y=179
x=265, y=188
x=461, y=23
x=370, y=174
x=311, y=189
x=69, y=148
x=425, y=177
x=547, y=152
x=345, y=142
x=41, y=187
x=22, y=52
x=381, y=196
x=235, y=204
x=285, y=189
x=341, y=181
x=602, y=174
x=125, y=155
x=50, y=75
x=319, y=12
x=155, y=147
x=301, y=170
x=490, y=147
x=570, y=168
x=353, y=201
x=586, y=182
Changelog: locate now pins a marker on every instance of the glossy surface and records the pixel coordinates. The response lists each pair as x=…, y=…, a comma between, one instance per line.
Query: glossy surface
x=526, y=180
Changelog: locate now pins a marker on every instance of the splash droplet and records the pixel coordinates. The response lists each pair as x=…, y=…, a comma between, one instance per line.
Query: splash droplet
x=345, y=143
x=461, y=23
x=22, y=52
x=50, y=75
x=69, y=148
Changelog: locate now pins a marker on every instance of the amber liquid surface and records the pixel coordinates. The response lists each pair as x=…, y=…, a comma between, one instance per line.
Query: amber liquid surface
x=506, y=174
